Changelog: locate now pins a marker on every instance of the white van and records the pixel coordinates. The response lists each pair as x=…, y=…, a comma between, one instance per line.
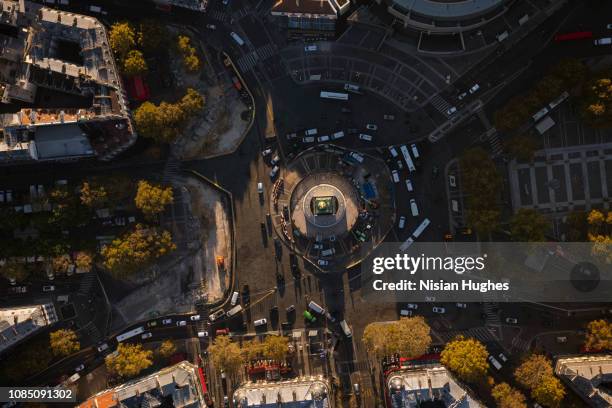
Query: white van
x=346, y=329
x=234, y=310
x=409, y=185
x=237, y=38
x=603, y=41
x=415, y=151
x=234, y=299
x=311, y=132
x=351, y=88
x=74, y=378
x=316, y=308
x=323, y=138
x=338, y=135
x=402, y=222
x=356, y=156
x=328, y=252
x=495, y=363
x=367, y=138
x=260, y=322
x=95, y=9
x=414, y=208
x=393, y=151
x=395, y=176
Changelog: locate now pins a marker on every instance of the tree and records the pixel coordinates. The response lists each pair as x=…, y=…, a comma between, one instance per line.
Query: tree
x=252, y=349
x=136, y=249
x=577, y=226
x=597, y=101
x=26, y=359
x=61, y=264
x=571, y=71
x=192, y=102
x=507, y=397
x=122, y=39
x=14, y=271
x=226, y=354
x=83, y=261
x=152, y=36
x=408, y=336
x=466, y=357
x=166, y=349
x=599, y=335
x=531, y=372
x=152, y=199
x=190, y=58
x=134, y=63
x=64, y=342
x=549, y=392
x=276, y=347
x=93, y=195
x=528, y=225
x=148, y=120
x=600, y=234
x=129, y=360
x=192, y=63
x=522, y=147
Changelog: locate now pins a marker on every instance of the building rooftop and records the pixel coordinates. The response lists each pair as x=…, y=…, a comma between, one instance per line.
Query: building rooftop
x=589, y=376
x=19, y=322
x=306, y=7
x=449, y=9
x=175, y=386
x=298, y=393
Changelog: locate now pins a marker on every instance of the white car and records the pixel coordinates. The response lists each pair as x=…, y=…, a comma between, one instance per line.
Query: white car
x=167, y=321
x=291, y=136
x=323, y=262
x=412, y=306
x=502, y=357
x=474, y=88
x=146, y=336
x=195, y=318
x=371, y=126
x=603, y=41
x=363, y=136
x=79, y=368
x=462, y=305
x=217, y=315
x=609, y=26
x=395, y=176
x=439, y=310
x=260, y=188
x=310, y=48
x=274, y=171
x=462, y=95
x=102, y=347
x=393, y=151
x=181, y=323
x=511, y=320
x=405, y=313
x=451, y=110
x=389, y=117
x=203, y=334
x=260, y=322
x=48, y=288
x=409, y=185
x=211, y=26
x=402, y=222
x=323, y=138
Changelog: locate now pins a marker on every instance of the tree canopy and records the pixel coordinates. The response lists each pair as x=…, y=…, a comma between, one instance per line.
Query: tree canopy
x=410, y=337
x=13, y=270
x=122, y=38
x=152, y=36
x=599, y=335
x=134, y=63
x=549, y=392
x=531, y=372
x=466, y=357
x=64, y=342
x=190, y=57
x=166, y=349
x=92, y=195
x=522, y=147
x=507, y=397
x=528, y=225
x=129, y=360
x=151, y=199
x=276, y=347
x=226, y=354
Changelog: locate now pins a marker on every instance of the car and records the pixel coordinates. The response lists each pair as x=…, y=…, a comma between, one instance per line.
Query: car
x=216, y=315
x=102, y=347
x=266, y=152
x=211, y=26
x=502, y=357
x=406, y=313
x=260, y=188
x=393, y=151
x=147, y=335
x=202, y=334
x=345, y=110
x=246, y=295
x=609, y=26
x=451, y=110
x=290, y=309
x=371, y=126
x=356, y=389
x=603, y=41
x=400, y=165
x=356, y=156
x=48, y=288
x=323, y=262
x=194, y=317
x=402, y=222
x=291, y=136
x=308, y=316
x=275, y=160
x=412, y=306
x=261, y=322
x=323, y=138
x=389, y=117
x=439, y=310
x=511, y=320
x=152, y=323
x=462, y=95
x=363, y=136
x=317, y=245
x=337, y=135
x=79, y=368
x=462, y=305
x=430, y=298
x=474, y=89
x=181, y=323
x=274, y=172
x=409, y=185
x=167, y=321
x=395, y=176
x=414, y=209
x=222, y=332
x=494, y=362
x=310, y=48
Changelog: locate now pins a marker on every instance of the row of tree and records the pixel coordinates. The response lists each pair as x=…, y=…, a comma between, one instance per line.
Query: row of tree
x=229, y=356
x=130, y=44
x=189, y=53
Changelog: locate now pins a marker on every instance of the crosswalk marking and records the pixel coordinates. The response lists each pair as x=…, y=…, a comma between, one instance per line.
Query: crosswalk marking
x=247, y=62
x=241, y=13
x=266, y=52
x=440, y=104
x=219, y=15
x=520, y=343
x=480, y=333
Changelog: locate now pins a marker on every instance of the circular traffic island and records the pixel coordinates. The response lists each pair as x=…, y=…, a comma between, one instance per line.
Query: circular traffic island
x=333, y=206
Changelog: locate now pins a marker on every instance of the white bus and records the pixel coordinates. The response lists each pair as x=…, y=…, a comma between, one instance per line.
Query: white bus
x=130, y=334
x=557, y=101
x=237, y=38
x=417, y=232
x=334, y=95
x=407, y=158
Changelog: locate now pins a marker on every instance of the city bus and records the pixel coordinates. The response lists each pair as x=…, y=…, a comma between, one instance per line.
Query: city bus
x=407, y=158
x=334, y=95
x=417, y=232
x=130, y=334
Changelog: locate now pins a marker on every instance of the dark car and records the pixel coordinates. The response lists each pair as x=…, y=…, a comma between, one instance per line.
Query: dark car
x=263, y=228
x=278, y=248
x=246, y=295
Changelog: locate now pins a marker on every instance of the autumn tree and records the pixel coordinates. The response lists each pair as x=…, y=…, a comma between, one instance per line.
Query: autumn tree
x=275, y=347
x=226, y=354
x=599, y=335
x=148, y=119
x=528, y=225
x=190, y=57
x=151, y=199
x=600, y=234
x=129, y=360
x=549, y=392
x=409, y=337
x=252, y=349
x=122, y=39
x=466, y=357
x=64, y=342
x=577, y=226
x=507, y=397
x=597, y=101
x=134, y=63
x=93, y=195
x=61, y=263
x=166, y=349
x=522, y=147
x=136, y=249
x=83, y=261
x=14, y=271
x=192, y=102
x=571, y=71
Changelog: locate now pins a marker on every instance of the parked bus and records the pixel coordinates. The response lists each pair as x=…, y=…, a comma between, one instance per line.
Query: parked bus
x=417, y=232
x=407, y=158
x=334, y=95
x=577, y=35
x=130, y=334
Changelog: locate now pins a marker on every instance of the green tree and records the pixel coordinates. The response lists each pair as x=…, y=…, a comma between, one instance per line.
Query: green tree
x=151, y=199
x=226, y=355
x=276, y=347
x=64, y=342
x=533, y=370
x=166, y=349
x=129, y=360
x=522, y=147
x=599, y=335
x=528, y=225
x=409, y=337
x=152, y=36
x=122, y=39
x=192, y=102
x=507, y=397
x=549, y=392
x=136, y=249
x=134, y=63
x=466, y=357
